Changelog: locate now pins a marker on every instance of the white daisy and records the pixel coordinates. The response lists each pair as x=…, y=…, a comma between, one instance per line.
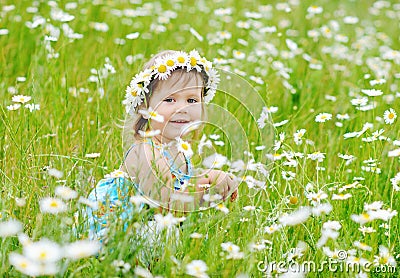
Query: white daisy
x=141, y=272
x=272, y=229
x=215, y=160
x=184, y=147
x=10, y=228
x=52, y=205
x=362, y=246
x=194, y=58
x=149, y=133
x=390, y=116
x=362, y=218
x=384, y=257
x=297, y=217
x=21, y=98
x=394, y=153
x=196, y=235
x=13, y=107
x=182, y=59
x=32, y=107
x=316, y=156
x=116, y=174
x=288, y=175
x=238, y=55
x=66, y=193
x=204, y=142
x=341, y=196
x=161, y=70
x=280, y=123
x=298, y=136
x=169, y=61
x=396, y=182
x=151, y=114
x=366, y=230
x=230, y=247
x=343, y=116
x=197, y=268
x=323, y=117
x=325, y=208
x=377, y=82
x=24, y=265
x=43, y=251
x=124, y=267
x=213, y=80
x=360, y=101
x=220, y=207
x=166, y=221
x=81, y=249
x=372, y=92
x=314, y=10
x=55, y=173
x=132, y=99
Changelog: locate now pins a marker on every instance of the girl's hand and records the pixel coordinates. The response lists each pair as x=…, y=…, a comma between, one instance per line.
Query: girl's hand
x=222, y=183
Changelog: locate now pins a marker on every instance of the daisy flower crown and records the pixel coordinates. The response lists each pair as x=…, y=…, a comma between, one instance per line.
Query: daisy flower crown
x=162, y=69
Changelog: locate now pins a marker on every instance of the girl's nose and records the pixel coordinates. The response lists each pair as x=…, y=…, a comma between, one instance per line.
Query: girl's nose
x=182, y=107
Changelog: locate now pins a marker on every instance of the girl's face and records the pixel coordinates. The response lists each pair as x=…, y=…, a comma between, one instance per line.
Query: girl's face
x=180, y=104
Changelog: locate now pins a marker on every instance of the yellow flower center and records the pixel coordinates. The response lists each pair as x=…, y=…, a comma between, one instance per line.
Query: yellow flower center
x=383, y=260
x=53, y=204
x=23, y=265
x=365, y=216
x=293, y=200
x=193, y=61
x=391, y=116
x=162, y=69
x=134, y=93
x=181, y=59
x=185, y=147
x=43, y=255
x=170, y=63
x=153, y=114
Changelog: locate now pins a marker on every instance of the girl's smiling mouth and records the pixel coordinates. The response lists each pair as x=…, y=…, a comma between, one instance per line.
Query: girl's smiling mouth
x=180, y=122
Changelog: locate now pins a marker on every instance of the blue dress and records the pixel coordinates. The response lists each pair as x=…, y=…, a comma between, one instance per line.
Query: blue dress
x=112, y=195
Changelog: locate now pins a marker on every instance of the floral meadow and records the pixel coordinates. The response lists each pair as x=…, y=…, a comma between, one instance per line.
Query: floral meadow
x=305, y=120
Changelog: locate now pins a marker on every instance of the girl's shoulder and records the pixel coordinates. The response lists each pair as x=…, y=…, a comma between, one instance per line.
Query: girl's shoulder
x=140, y=151
x=143, y=146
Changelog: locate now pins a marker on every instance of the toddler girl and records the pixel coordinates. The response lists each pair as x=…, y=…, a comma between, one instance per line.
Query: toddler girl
x=163, y=102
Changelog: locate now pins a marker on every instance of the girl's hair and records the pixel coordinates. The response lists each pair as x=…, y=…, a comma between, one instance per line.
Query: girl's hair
x=135, y=123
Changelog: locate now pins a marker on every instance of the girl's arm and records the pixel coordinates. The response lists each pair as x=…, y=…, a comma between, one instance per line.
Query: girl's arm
x=152, y=172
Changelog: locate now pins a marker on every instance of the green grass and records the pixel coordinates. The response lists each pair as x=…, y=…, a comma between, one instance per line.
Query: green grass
x=71, y=124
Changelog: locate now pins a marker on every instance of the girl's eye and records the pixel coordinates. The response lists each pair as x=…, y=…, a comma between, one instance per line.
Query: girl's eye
x=168, y=100
x=192, y=100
